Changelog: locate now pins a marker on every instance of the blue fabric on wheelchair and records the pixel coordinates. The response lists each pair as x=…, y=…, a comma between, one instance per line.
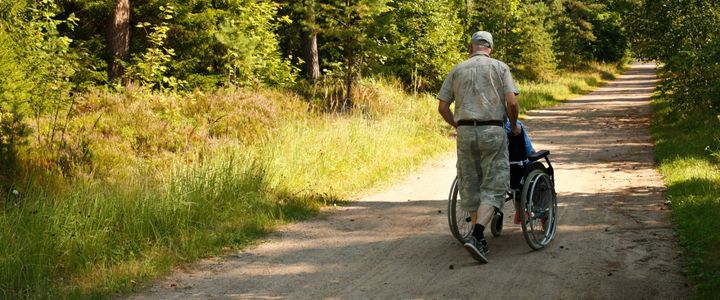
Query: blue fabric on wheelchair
x=528, y=144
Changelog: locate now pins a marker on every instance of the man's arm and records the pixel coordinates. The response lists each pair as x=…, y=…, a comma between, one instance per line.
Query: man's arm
x=447, y=114
x=512, y=110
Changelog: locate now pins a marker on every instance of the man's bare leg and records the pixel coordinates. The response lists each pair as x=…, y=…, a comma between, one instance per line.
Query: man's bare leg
x=486, y=214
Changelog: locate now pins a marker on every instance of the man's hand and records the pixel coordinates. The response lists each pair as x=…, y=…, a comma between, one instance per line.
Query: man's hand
x=517, y=130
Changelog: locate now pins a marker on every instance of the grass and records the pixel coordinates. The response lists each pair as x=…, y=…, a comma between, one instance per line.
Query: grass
x=688, y=153
x=147, y=182
x=97, y=238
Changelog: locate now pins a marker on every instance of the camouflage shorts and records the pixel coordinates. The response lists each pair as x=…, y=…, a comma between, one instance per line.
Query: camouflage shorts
x=483, y=166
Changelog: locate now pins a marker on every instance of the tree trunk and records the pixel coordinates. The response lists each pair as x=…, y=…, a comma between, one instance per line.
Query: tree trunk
x=466, y=20
x=118, y=37
x=309, y=42
x=349, y=59
x=350, y=63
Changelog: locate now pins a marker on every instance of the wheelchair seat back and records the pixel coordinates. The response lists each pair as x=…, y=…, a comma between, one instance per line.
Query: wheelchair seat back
x=518, y=159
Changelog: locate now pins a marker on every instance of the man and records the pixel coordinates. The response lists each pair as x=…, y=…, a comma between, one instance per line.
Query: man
x=484, y=94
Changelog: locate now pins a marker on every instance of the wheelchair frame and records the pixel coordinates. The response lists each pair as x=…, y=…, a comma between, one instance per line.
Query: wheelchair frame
x=537, y=186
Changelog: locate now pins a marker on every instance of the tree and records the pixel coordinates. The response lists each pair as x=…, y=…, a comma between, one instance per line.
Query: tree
x=498, y=18
x=684, y=36
x=251, y=53
x=575, y=36
x=418, y=42
x=346, y=26
x=309, y=40
x=118, y=37
x=36, y=66
x=532, y=51
x=14, y=100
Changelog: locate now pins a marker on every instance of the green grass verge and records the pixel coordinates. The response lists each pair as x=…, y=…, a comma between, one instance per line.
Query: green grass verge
x=163, y=180
x=687, y=147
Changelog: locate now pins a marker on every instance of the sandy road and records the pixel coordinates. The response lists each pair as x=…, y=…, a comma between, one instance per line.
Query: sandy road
x=614, y=238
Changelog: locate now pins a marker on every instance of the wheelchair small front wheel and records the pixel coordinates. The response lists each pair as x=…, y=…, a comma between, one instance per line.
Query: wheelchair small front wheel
x=496, y=225
x=538, y=209
x=458, y=219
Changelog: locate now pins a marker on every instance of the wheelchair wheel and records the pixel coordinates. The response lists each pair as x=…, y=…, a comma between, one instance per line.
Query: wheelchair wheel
x=458, y=219
x=538, y=208
x=496, y=225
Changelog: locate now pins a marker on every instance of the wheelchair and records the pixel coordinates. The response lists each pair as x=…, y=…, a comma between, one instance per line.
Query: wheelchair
x=532, y=190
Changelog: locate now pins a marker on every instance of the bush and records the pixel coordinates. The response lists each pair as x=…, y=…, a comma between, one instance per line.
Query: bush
x=14, y=104
x=36, y=65
x=418, y=42
x=532, y=54
x=684, y=38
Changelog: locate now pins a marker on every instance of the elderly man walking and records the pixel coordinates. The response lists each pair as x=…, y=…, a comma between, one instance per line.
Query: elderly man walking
x=484, y=94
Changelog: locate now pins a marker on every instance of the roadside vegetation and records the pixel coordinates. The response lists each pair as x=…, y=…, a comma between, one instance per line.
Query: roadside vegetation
x=137, y=136
x=688, y=153
x=686, y=125
x=159, y=192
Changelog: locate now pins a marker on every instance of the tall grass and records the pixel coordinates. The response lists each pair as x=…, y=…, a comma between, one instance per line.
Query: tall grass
x=342, y=155
x=166, y=179
x=96, y=238
x=688, y=152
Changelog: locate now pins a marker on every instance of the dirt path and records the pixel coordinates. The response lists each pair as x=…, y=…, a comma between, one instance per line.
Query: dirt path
x=614, y=239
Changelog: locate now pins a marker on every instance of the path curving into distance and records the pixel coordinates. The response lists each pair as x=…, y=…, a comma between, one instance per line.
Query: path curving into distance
x=614, y=241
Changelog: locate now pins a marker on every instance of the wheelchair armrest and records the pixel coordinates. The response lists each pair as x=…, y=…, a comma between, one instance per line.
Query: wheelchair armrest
x=538, y=155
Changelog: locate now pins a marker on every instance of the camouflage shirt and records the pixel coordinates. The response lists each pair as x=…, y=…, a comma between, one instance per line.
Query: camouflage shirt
x=478, y=86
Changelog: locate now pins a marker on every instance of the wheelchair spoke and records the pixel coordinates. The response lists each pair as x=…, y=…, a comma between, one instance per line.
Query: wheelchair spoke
x=458, y=219
x=539, y=204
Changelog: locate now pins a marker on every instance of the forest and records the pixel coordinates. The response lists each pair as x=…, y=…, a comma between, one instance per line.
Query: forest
x=129, y=128
x=54, y=52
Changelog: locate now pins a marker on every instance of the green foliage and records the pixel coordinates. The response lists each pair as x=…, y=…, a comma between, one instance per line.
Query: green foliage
x=688, y=152
x=249, y=42
x=194, y=34
x=532, y=55
x=252, y=55
x=537, y=37
x=523, y=34
x=418, y=42
x=612, y=42
x=499, y=18
x=51, y=62
x=151, y=67
x=685, y=36
x=575, y=34
x=243, y=163
x=348, y=37
x=37, y=64
x=15, y=93
x=88, y=39
x=220, y=42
